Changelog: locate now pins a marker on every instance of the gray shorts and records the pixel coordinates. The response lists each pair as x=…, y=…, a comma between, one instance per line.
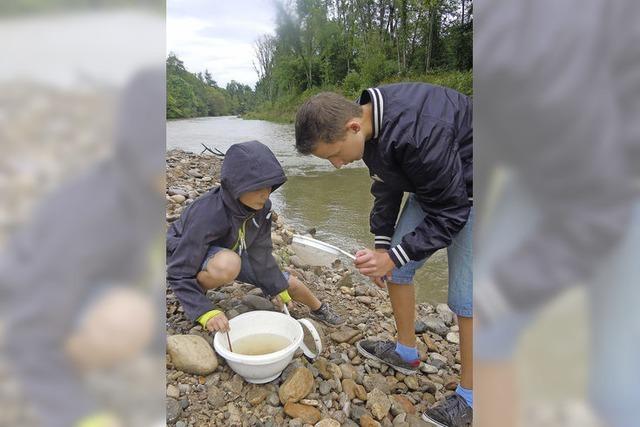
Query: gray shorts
x=247, y=275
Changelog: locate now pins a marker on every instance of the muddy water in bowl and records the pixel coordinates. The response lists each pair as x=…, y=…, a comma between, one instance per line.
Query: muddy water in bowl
x=258, y=344
x=262, y=368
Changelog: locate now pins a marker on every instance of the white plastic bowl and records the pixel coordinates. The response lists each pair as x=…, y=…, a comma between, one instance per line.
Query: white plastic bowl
x=266, y=367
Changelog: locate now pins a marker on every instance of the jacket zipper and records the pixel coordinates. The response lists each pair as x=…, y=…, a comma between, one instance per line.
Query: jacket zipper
x=241, y=243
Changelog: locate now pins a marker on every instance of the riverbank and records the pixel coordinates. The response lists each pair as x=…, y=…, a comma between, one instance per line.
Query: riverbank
x=283, y=110
x=342, y=388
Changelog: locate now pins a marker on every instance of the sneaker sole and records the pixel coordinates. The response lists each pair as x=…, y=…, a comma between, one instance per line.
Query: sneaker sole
x=368, y=355
x=426, y=418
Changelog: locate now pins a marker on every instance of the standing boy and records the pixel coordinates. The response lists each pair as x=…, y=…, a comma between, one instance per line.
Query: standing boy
x=414, y=138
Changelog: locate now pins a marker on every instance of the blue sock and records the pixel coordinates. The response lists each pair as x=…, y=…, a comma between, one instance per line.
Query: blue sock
x=466, y=394
x=408, y=354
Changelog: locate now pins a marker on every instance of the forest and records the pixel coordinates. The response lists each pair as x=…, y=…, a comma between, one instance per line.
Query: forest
x=339, y=45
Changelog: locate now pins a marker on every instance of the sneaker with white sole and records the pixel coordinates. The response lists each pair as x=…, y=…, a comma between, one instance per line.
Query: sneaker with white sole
x=385, y=352
x=452, y=412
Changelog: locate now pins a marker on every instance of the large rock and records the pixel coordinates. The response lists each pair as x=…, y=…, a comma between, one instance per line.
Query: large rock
x=297, y=386
x=307, y=414
x=191, y=354
x=378, y=403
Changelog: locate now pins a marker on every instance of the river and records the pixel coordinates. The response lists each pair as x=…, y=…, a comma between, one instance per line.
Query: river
x=335, y=202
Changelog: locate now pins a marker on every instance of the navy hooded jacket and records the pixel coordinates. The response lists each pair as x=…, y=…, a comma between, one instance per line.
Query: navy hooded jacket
x=423, y=144
x=216, y=218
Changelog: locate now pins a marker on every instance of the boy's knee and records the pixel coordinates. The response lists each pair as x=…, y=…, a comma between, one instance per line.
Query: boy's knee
x=225, y=266
x=115, y=328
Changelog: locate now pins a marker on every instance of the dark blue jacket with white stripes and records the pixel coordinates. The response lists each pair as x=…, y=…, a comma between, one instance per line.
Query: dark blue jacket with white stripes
x=423, y=144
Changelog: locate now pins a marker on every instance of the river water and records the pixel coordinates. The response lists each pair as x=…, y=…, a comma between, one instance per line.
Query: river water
x=335, y=202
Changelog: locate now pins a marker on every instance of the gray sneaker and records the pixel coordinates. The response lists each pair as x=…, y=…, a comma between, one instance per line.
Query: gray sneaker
x=327, y=316
x=452, y=412
x=385, y=352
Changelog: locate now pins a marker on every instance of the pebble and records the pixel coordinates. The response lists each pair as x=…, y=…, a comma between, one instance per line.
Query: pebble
x=257, y=302
x=174, y=410
x=428, y=369
x=436, y=326
x=308, y=414
x=328, y=422
x=453, y=337
x=344, y=334
x=378, y=403
x=172, y=391
x=324, y=388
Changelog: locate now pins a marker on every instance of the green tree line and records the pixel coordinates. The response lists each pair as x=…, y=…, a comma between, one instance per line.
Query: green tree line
x=197, y=94
x=339, y=45
x=348, y=45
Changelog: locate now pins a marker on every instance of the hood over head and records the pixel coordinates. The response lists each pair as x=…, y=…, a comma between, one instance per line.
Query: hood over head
x=250, y=166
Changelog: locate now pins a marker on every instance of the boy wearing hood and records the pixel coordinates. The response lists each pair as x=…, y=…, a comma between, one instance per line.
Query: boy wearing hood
x=226, y=235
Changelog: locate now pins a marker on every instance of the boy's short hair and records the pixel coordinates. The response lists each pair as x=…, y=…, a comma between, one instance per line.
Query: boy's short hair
x=322, y=118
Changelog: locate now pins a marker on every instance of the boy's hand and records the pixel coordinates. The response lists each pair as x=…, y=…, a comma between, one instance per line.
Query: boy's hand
x=374, y=264
x=219, y=322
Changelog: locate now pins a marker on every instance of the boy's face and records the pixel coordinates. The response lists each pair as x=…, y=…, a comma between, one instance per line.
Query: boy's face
x=343, y=151
x=255, y=199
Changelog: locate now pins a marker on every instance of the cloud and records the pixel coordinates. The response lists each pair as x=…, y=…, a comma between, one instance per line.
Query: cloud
x=219, y=36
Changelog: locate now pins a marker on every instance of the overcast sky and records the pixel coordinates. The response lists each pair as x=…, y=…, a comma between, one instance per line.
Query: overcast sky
x=219, y=35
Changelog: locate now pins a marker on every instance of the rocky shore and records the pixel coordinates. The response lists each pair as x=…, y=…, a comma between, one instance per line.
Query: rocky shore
x=338, y=388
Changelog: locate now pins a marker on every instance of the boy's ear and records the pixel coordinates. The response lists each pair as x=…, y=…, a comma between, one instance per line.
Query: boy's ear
x=353, y=125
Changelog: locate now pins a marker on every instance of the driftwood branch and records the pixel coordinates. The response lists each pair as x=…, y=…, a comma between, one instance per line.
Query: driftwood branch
x=215, y=153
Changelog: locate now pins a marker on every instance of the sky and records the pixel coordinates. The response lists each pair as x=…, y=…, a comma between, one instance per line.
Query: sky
x=219, y=35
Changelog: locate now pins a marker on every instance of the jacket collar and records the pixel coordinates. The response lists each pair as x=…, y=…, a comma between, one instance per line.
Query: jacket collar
x=374, y=96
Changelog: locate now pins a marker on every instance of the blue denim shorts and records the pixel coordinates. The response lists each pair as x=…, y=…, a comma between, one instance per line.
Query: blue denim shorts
x=247, y=275
x=459, y=257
